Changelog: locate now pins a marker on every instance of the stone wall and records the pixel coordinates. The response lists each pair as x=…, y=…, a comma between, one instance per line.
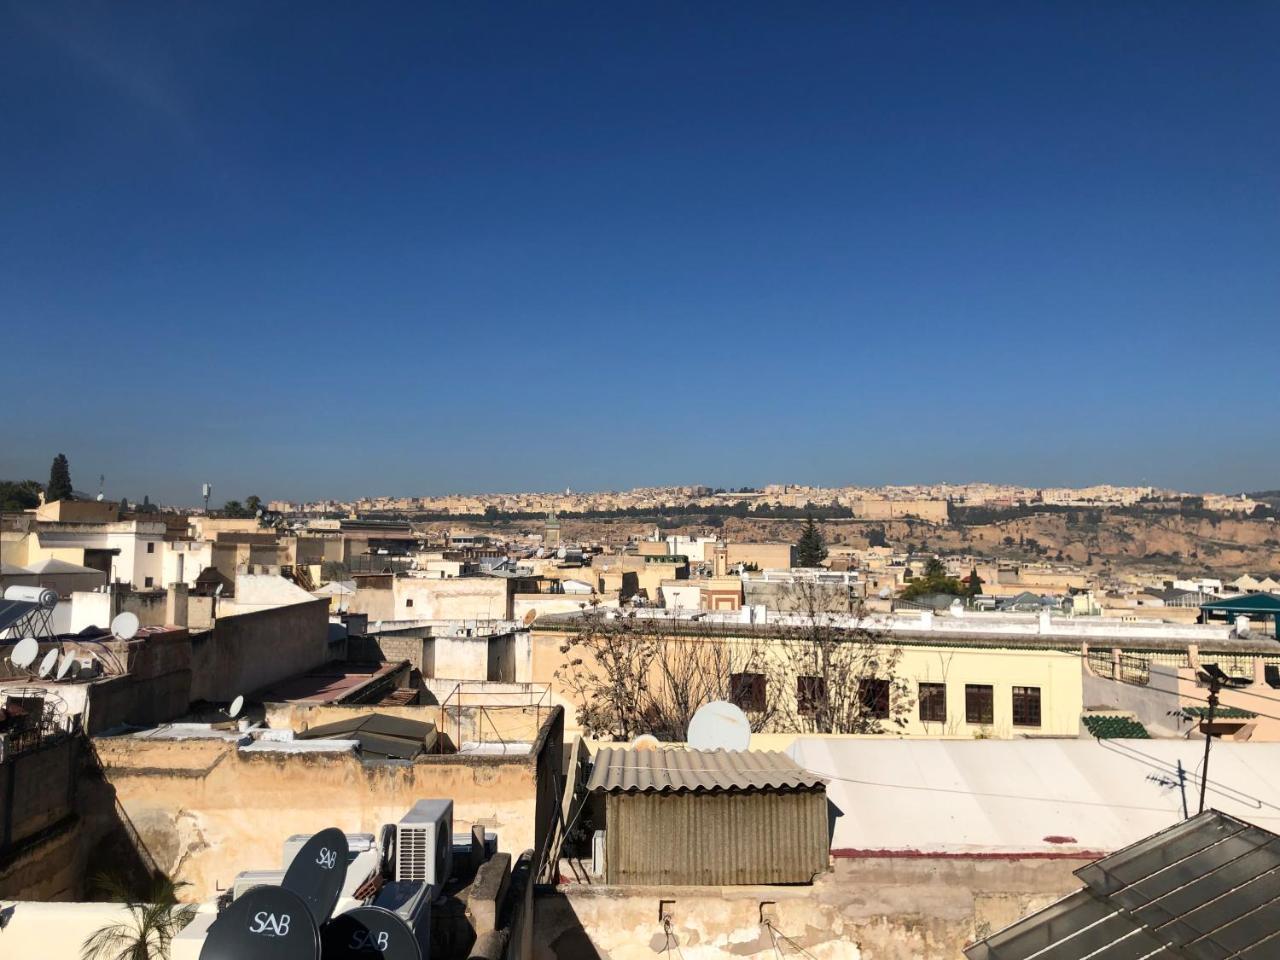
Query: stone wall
x=205, y=811
x=248, y=651
x=869, y=909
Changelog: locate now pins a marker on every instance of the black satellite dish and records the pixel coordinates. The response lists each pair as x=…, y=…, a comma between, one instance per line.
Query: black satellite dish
x=266, y=923
x=369, y=933
x=318, y=871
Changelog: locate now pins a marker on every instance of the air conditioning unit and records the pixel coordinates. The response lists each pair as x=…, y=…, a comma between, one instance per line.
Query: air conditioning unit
x=247, y=880
x=424, y=843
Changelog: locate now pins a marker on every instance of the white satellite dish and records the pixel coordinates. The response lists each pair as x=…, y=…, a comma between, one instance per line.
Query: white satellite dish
x=64, y=667
x=719, y=725
x=125, y=626
x=218, y=590
x=25, y=652
x=48, y=663
x=237, y=705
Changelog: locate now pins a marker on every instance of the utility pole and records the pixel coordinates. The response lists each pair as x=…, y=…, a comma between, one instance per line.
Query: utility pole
x=1214, y=687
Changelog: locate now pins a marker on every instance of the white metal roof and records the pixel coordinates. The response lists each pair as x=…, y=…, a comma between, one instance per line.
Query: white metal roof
x=1030, y=796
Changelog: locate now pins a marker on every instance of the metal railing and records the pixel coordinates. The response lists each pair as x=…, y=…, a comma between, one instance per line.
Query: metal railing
x=515, y=696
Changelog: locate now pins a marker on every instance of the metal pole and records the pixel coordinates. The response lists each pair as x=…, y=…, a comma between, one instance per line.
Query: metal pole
x=1214, y=686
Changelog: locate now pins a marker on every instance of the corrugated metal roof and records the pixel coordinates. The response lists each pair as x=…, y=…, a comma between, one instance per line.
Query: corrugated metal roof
x=626, y=770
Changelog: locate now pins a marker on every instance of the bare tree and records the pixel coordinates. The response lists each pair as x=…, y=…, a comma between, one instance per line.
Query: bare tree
x=632, y=674
x=832, y=672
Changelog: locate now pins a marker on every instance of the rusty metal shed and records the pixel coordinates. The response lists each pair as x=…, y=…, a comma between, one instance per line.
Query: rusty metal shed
x=710, y=817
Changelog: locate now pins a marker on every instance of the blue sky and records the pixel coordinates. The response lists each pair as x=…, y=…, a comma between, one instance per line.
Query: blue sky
x=332, y=249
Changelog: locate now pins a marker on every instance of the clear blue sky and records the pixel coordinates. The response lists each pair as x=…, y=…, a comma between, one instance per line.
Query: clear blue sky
x=338, y=248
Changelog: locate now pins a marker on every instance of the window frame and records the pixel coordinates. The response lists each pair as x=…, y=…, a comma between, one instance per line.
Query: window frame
x=1028, y=703
x=877, y=704
x=807, y=700
x=935, y=690
x=748, y=691
x=986, y=691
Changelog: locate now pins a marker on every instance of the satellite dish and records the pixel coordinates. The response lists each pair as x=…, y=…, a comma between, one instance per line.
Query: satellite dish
x=367, y=933
x=25, y=652
x=125, y=626
x=318, y=871
x=237, y=705
x=646, y=741
x=265, y=923
x=719, y=726
x=48, y=663
x=65, y=666
x=529, y=617
x=218, y=590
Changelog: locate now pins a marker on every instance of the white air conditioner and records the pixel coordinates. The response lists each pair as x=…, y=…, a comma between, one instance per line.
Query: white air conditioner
x=424, y=843
x=247, y=880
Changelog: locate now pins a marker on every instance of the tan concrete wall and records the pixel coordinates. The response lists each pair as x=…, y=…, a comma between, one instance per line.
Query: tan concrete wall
x=934, y=511
x=873, y=909
x=51, y=868
x=766, y=556
x=207, y=812
x=460, y=598
x=246, y=652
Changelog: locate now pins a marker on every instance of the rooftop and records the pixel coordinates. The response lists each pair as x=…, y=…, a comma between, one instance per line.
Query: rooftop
x=677, y=770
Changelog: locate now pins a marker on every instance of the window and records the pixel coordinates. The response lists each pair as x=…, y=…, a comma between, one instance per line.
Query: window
x=1026, y=706
x=409, y=602
x=151, y=548
x=933, y=702
x=747, y=690
x=979, y=703
x=150, y=581
x=811, y=693
x=873, y=697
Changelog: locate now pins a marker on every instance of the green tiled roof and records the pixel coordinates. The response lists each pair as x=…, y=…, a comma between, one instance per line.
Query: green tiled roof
x=1116, y=728
x=1220, y=713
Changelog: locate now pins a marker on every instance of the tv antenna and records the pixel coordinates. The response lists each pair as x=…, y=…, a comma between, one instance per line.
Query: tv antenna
x=719, y=725
x=318, y=872
x=265, y=923
x=125, y=626
x=206, y=490
x=25, y=652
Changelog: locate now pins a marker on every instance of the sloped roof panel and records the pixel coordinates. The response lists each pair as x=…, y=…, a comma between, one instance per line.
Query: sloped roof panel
x=626, y=770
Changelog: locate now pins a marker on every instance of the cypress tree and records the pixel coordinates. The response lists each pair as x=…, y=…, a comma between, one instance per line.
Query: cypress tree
x=59, y=480
x=812, y=549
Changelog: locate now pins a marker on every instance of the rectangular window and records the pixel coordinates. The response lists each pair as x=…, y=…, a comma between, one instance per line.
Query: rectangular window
x=933, y=702
x=979, y=703
x=150, y=581
x=1026, y=706
x=811, y=693
x=873, y=697
x=747, y=690
x=151, y=548
x=409, y=602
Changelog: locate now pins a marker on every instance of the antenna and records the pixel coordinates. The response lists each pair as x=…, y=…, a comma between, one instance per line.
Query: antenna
x=318, y=871
x=365, y=933
x=48, y=663
x=25, y=652
x=719, y=725
x=266, y=923
x=125, y=626
x=237, y=705
x=206, y=489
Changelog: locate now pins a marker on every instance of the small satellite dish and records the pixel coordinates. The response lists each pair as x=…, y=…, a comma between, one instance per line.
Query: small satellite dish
x=65, y=666
x=646, y=741
x=719, y=725
x=25, y=652
x=218, y=590
x=318, y=871
x=529, y=617
x=125, y=626
x=98, y=498
x=368, y=933
x=237, y=705
x=265, y=923
x=48, y=663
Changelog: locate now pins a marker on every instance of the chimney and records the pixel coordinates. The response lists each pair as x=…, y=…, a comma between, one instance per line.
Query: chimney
x=175, y=605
